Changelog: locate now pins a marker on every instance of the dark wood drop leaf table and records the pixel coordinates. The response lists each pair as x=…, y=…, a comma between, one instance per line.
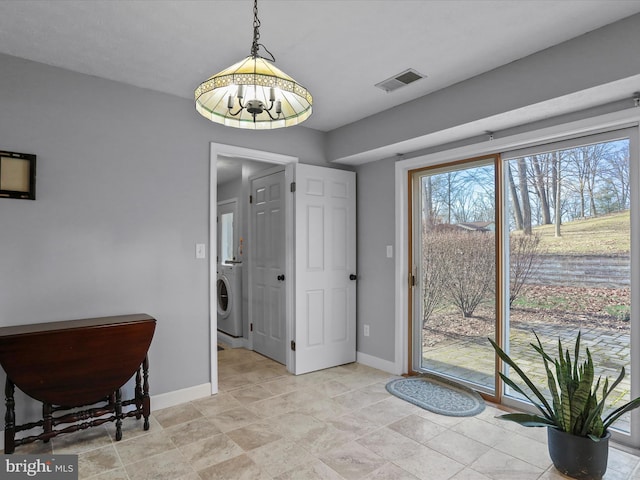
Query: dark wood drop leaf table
x=72, y=364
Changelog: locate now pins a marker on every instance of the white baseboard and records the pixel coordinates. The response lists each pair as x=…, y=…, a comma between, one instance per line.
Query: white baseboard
x=379, y=363
x=176, y=397
x=233, y=342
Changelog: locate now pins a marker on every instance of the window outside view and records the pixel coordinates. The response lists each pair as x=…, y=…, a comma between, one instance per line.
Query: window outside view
x=458, y=272
x=569, y=219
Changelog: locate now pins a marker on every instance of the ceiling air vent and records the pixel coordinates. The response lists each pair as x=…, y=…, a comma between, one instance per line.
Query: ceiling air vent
x=400, y=80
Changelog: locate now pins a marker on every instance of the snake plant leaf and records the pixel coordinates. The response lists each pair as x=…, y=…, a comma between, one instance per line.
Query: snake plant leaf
x=576, y=355
x=596, y=414
x=595, y=438
x=551, y=380
x=606, y=392
x=528, y=419
x=576, y=407
x=547, y=410
x=593, y=422
x=582, y=393
x=618, y=412
x=536, y=404
x=565, y=406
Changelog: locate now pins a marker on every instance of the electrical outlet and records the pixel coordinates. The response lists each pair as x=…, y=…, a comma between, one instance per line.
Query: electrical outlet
x=366, y=330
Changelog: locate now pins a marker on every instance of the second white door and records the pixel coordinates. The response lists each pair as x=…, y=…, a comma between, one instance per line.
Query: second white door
x=267, y=260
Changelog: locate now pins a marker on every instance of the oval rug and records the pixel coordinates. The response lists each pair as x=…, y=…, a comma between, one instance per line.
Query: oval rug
x=437, y=395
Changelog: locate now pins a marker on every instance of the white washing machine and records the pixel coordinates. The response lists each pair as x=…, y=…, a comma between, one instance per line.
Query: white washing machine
x=229, y=293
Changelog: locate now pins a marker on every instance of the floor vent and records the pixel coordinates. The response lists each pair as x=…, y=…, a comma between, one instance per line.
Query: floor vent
x=400, y=80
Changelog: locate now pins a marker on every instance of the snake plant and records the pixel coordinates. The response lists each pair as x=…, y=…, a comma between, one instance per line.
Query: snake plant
x=574, y=406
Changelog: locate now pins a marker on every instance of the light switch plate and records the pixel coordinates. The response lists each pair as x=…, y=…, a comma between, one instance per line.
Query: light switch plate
x=201, y=250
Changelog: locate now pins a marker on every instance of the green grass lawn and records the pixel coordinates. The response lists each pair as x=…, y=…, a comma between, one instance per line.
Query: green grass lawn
x=608, y=234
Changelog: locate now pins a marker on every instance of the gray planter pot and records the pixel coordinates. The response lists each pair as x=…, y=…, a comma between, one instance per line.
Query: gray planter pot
x=578, y=457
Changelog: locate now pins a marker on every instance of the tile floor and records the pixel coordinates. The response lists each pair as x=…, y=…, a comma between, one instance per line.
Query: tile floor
x=336, y=424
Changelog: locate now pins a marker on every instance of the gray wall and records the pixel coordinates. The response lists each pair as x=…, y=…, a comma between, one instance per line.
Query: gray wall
x=376, y=272
x=122, y=198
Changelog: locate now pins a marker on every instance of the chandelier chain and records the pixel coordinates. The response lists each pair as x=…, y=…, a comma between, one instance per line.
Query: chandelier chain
x=255, y=46
x=256, y=30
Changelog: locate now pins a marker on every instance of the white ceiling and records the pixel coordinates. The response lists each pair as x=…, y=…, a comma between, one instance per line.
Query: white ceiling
x=338, y=49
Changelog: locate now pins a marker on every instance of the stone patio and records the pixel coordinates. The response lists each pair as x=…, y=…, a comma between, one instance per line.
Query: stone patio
x=472, y=358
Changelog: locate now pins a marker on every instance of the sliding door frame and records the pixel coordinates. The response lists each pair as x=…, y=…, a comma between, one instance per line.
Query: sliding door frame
x=414, y=284
x=612, y=121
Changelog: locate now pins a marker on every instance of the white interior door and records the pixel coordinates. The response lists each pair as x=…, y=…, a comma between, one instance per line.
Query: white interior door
x=267, y=250
x=325, y=266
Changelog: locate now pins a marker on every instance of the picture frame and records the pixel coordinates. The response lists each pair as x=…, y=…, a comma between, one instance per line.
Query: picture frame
x=17, y=175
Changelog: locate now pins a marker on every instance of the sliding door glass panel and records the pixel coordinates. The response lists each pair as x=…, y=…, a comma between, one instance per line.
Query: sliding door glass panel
x=455, y=261
x=568, y=216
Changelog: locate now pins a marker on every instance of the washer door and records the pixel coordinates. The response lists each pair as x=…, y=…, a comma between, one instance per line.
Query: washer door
x=224, y=298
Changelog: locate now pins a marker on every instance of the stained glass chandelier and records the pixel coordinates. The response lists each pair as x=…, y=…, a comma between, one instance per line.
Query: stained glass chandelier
x=253, y=93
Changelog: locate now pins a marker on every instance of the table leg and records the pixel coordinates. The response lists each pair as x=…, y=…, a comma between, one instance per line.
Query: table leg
x=47, y=417
x=146, y=401
x=118, y=415
x=138, y=393
x=9, y=418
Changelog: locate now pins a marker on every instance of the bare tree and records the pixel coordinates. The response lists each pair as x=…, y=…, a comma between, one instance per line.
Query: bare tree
x=524, y=259
x=434, y=271
x=540, y=165
x=557, y=189
x=517, y=211
x=470, y=269
x=524, y=194
x=616, y=170
x=428, y=214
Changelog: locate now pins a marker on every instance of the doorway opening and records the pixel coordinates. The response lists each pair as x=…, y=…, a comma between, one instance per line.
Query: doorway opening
x=237, y=164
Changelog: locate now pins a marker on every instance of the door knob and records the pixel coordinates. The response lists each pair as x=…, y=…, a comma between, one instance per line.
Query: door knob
x=353, y=276
x=281, y=278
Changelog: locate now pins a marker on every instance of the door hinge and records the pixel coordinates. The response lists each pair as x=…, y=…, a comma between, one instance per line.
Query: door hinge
x=293, y=345
x=412, y=280
x=251, y=327
x=250, y=198
x=293, y=187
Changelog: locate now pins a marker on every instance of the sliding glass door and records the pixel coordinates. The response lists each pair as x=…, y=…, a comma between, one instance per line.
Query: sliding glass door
x=569, y=221
x=532, y=240
x=455, y=257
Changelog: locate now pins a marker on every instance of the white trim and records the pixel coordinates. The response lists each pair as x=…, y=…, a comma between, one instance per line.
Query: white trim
x=376, y=362
x=620, y=119
x=233, y=342
x=176, y=397
x=216, y=150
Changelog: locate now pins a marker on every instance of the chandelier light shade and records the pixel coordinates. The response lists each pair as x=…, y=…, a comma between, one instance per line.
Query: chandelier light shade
x=253, y=93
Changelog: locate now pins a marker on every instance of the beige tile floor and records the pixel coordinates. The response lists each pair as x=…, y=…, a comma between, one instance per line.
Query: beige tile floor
x=336, y=424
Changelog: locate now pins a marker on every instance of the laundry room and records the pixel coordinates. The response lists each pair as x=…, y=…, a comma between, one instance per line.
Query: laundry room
x=232, y=287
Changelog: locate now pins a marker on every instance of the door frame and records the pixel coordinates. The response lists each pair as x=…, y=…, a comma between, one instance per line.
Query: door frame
x=231, y=151
x=625, y=118
x=612, y=121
